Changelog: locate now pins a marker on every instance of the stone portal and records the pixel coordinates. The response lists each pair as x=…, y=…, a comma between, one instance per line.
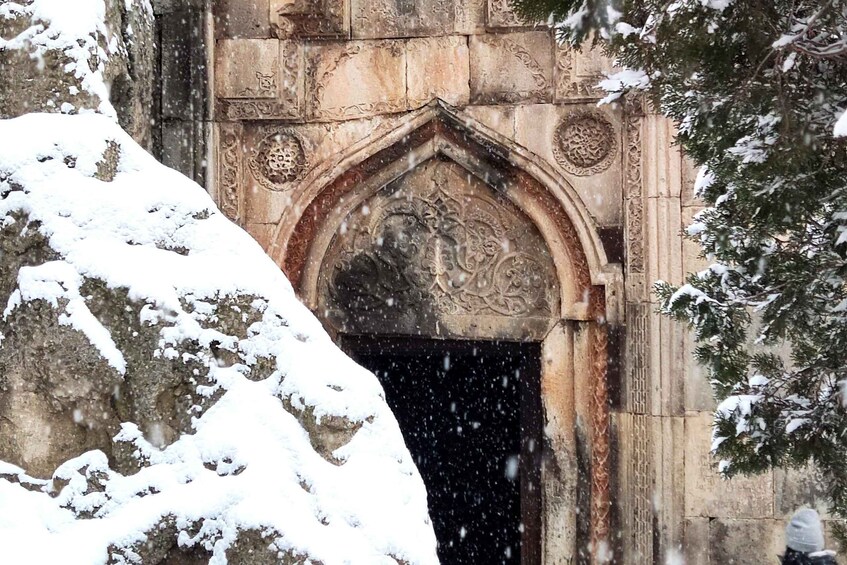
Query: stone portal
x=470, y=413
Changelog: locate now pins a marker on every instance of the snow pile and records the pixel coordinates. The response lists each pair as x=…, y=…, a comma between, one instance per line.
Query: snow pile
x=257, y=458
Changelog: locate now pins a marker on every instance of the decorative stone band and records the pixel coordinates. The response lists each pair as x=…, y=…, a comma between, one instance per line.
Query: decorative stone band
x=600, y=450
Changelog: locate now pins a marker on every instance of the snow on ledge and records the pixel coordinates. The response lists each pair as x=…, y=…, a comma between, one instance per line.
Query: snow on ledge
x=249, y=464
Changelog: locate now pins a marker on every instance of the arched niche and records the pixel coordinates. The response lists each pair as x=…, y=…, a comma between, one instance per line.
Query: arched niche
x=443, y=202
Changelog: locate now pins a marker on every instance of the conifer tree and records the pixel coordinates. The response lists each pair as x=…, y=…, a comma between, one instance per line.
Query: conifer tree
x=756, y=88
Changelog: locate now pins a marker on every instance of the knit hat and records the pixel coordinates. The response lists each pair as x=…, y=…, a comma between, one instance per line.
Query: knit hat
x=804, y=532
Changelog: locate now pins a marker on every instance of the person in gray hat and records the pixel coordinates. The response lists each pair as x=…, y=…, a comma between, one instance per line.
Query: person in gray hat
x=804, y=540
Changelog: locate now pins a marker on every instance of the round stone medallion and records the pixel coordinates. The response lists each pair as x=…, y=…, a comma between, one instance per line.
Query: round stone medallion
x=584, y=143
x=278, y=160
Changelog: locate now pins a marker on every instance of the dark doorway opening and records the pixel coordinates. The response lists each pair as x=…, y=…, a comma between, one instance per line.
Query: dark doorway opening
x=470, y=413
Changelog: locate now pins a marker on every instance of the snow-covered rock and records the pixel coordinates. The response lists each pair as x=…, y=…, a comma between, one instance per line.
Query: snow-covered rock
x=163, y=393
x=74, y=56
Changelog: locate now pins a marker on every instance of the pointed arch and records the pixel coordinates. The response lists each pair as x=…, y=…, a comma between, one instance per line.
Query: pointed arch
x=589, y=283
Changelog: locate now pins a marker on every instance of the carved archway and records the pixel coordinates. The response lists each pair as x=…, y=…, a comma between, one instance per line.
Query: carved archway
x=553, y=282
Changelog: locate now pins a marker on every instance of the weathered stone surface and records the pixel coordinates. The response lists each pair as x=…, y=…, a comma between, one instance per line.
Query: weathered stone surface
x=588, y=155
x=499, y=118
x=248, y=68
x=402, y=18
x=794, y=488
x=509, y=68
x=55, y=415
x=356, y=79
x=437, y=67
x=706, y=493
x=236, y=19
x=696, y=545
x=470, y=16
x=745, y=542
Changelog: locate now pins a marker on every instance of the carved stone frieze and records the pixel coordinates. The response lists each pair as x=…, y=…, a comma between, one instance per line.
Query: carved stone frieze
x=278, y=159
x=634, y=195
x=510, y=68
x=585, y=143
x=229, y=171
x=315, y=19
x=402, y=18
x=437, y=252
x=355, y=79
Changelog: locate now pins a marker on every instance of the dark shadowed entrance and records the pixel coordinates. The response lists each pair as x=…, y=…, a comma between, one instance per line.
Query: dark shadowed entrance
x=470, y=413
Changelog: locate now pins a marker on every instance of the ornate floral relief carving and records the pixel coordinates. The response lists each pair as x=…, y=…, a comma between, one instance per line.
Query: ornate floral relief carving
x=401, y=18
x=278, y=159
x=584, y=143
x=436, y=243
x=229, y=177
x=319, y=19
x=501, y=14
x=570, y=86
x=257, y=110
x=634, y=196
x=265, y=87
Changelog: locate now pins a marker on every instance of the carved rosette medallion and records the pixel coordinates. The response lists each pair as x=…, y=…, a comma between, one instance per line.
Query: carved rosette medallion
x=584, y=143
x=437, y=252
x=278, y=159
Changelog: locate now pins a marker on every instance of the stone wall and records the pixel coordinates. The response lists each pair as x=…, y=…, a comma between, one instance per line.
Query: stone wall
x=181, y=102
x=302, y=88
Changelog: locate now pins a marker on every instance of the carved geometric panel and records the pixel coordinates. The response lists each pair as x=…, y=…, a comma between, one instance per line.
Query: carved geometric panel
x=355, y=79
x=509, y=68
x=278, y=159
x=401, y=18
x=438, y=252
x=258, y=79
